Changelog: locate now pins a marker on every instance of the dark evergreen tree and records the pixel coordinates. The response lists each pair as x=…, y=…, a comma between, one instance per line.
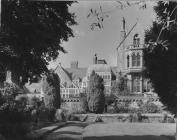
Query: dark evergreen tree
x=31, y=34
x=161, y=54
x=51, y=89
x=95, y=95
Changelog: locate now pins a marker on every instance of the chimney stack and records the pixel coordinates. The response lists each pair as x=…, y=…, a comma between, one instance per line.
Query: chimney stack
x=95, y=59
x=74, y=64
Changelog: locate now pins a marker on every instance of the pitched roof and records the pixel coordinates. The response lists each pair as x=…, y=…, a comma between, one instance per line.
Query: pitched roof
x=77, y=73
x=63, y=75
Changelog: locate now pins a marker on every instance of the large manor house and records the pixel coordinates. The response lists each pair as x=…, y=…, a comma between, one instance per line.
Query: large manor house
x=74, y=80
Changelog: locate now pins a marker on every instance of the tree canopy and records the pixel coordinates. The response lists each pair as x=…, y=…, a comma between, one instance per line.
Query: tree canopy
x=31, y=34
x=161, y=54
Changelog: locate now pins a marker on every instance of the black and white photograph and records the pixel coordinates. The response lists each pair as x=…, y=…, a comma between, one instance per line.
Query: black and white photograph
x=88, y=70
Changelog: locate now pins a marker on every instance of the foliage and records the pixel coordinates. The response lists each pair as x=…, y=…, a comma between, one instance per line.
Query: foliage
x=51, y=89
x=121, y=107
x=100, y=15
x=83, y=102
x=149, y=107
x=119, y=87
x=95, y=95
x=161, y=54
x=31, y=34
x=35, y=101
x=98, y=119
x=14, y=115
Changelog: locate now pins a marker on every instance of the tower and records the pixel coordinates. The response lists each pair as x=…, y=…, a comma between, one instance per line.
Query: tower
x=121, y=49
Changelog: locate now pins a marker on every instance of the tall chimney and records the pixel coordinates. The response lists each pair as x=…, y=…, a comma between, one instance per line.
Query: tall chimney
x=74, y=64
x=121, y=50
x=123, y=33
x=95, y=59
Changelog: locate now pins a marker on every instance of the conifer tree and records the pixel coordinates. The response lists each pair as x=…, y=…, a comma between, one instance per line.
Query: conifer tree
x=95, y=95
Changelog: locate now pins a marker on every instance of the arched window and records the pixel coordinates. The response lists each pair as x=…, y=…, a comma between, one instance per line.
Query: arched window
x=133, y=60
x=138, y=59
x=128, y=59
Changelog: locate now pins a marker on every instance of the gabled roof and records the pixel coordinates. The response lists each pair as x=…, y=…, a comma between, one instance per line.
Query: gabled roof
x=63, y=75
x=77, y=73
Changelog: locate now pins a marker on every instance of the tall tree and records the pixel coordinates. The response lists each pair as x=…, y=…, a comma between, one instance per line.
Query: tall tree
x=95, y=95
x=51, y=89
x=31, y=34
x=161, y=54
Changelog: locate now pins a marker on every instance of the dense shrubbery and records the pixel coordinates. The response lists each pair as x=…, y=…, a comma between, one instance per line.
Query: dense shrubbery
x=83, y=102
x=15, y=116
x=148, y=107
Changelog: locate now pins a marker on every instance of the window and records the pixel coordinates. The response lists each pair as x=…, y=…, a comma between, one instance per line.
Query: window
x=138, y=59
x=136, y=83
x=108, y=77
x=128, y=59
x=133, y=60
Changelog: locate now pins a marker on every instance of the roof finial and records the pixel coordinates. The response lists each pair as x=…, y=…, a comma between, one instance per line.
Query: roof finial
x=123, y=24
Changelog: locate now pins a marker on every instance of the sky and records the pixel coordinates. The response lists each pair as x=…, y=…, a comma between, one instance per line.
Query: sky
x=104, y=42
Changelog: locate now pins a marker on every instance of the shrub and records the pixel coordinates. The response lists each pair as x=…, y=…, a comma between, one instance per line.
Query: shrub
x=150, y=107
x=95, y=95
x=15, y=117
x=34, y=101
x=98, y=119
x=60, y=116
x=46, y=114
x=83, y=102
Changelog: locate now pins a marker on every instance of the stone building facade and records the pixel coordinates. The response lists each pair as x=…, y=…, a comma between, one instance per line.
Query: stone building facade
x=130, y=63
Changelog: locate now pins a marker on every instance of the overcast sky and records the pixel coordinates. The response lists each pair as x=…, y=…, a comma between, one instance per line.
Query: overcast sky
x=86, y=42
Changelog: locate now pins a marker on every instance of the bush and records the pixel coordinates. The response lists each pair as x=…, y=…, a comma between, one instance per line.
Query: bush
x=15, y=116
x=83, y=102
x=95, y=95
x=46, y=114
x=150, y=107
x=98, y=119
x=59, y=115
